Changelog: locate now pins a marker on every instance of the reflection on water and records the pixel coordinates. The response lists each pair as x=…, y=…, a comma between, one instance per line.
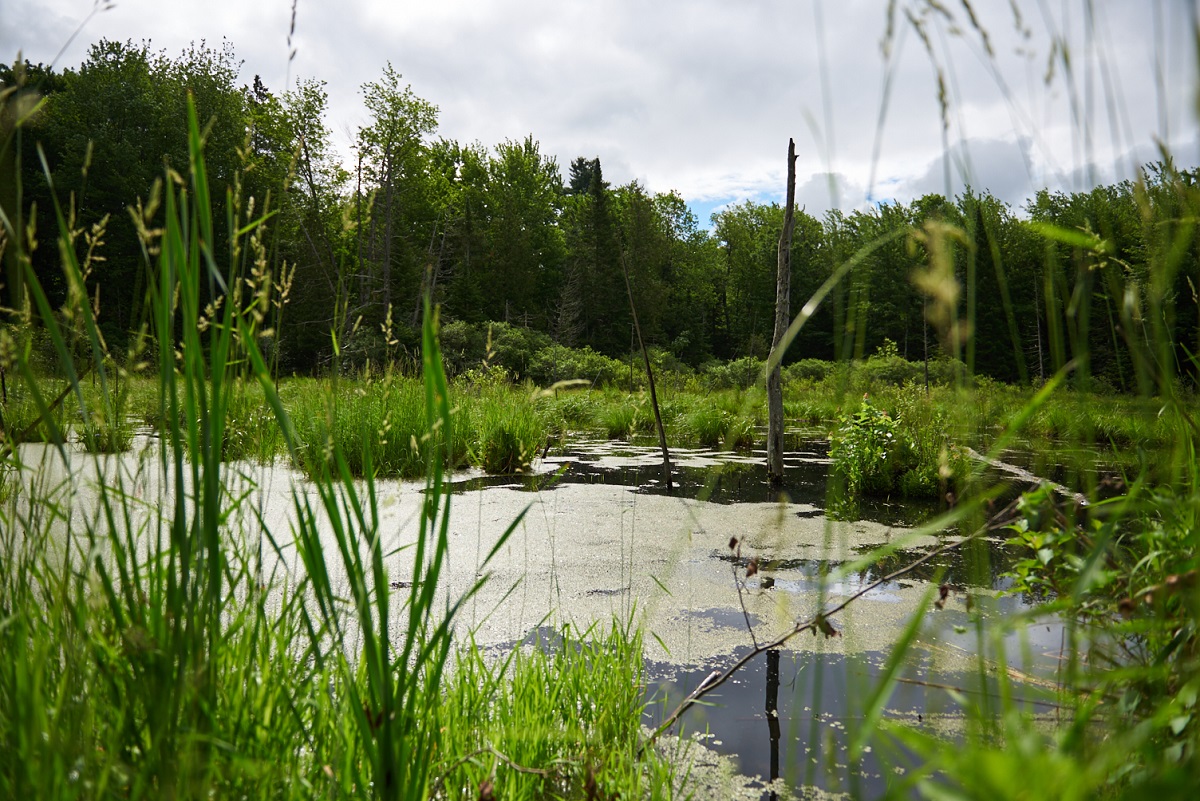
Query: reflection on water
x=710, y=475
x=792, y=715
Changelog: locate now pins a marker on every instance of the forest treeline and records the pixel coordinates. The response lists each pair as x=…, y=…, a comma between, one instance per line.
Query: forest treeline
x=501, y=234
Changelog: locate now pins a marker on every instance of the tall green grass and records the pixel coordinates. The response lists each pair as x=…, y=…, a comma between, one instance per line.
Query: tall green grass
x=155, y=638
x=563, y=704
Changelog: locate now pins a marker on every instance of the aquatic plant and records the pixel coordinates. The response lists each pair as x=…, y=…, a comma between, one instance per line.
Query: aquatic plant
x=876, y=452
x=508, y=432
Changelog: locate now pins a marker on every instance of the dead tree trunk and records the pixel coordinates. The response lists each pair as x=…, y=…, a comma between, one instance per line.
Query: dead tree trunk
x=783, y=280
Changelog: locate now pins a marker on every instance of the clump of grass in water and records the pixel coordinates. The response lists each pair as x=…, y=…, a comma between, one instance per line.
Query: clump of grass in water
x=617, y=419
x=506, y=435
x=712, y=427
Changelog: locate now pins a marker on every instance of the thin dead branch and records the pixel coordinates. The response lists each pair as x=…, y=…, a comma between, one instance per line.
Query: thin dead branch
x=817, y=623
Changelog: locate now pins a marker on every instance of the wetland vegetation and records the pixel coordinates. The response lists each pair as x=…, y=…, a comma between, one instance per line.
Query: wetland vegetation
x=229, y=563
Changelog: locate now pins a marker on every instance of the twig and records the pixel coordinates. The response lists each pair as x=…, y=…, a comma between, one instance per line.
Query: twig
x=440, y=784
x=662, y=435
x=819, y=622
x=740, y=585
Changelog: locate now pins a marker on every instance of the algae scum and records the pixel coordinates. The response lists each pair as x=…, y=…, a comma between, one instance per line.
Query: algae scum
x=601, y=537
x=620, y=543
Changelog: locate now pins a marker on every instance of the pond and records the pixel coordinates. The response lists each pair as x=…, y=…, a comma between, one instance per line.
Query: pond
x=601, y=537
x=783, y=720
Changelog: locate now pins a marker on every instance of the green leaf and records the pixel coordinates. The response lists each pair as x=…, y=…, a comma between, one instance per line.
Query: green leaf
x=873, y=709
x=1074, y=237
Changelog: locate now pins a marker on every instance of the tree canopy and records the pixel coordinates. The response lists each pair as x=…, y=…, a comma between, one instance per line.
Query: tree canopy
x=500, y=234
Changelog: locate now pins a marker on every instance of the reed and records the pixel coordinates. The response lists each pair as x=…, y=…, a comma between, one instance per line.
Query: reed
x=158, y=639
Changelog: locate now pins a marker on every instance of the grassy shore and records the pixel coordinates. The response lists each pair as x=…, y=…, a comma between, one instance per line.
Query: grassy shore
x=157, y=643
x=503, y=425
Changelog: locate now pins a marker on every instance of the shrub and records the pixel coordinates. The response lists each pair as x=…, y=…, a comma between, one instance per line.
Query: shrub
x=943, y=371
x=1129, y=571
x=464, y=346
x=867, y=451
x=808, y=370
x=890, y=370
x=876, y=453
x=737, y=374
x=514, y=347
x=485, y=377
x=555, y=363
x=471, y=346
x=665, y=362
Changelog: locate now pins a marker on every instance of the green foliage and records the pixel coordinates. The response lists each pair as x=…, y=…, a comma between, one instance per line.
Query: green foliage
x=381, y=426
x=559, y=720
x=1122, y=574
x=738, y=374
x=888, y=369
x=617, y=420
x=576, y=410
x=867, y=450
x=557, y=363
x=506, y=432
x=877, y=453
x=808, y=370
x=512, y=347
x=713, y=427
x=251, y=431
x=148, y=655
x=106, y=436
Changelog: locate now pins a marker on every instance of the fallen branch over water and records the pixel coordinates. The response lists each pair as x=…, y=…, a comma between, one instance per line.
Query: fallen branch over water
x=1024, y=475
x=817, y=623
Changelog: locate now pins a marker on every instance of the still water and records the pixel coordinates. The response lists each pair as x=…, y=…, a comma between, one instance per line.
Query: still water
x=786, y=719
x=600, y=536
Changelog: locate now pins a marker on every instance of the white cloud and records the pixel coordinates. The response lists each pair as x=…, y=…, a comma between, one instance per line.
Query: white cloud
x=702, y=96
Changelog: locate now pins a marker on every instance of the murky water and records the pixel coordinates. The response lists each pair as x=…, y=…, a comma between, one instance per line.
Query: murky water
x=786, y=718
x=602, y=536
x=713, y=476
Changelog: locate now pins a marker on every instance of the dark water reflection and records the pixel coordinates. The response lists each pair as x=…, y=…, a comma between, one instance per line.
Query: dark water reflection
x=716, y=476
x=791, y=714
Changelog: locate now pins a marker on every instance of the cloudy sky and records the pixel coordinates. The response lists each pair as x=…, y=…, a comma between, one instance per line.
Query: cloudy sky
x=701, y=96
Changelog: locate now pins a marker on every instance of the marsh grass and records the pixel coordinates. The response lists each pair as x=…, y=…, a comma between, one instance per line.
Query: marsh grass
x=571, y=703
x=499, y=427
x=379, y=426
x=507, y=433
x=155, y=641
x=23, y=422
